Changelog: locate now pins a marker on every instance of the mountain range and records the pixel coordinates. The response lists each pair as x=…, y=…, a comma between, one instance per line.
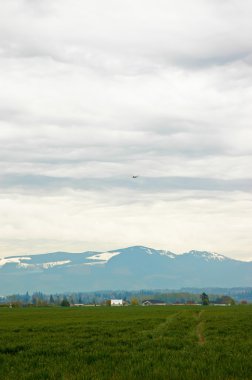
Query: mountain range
x=131, y=268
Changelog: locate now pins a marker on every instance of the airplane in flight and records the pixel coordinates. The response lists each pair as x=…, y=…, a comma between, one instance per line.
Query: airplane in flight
x=135, y=176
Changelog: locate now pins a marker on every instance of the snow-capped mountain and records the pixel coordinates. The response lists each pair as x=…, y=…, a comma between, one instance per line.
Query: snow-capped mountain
x=135, y=267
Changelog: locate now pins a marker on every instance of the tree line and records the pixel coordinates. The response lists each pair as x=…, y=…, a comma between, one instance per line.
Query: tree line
x=102, y=298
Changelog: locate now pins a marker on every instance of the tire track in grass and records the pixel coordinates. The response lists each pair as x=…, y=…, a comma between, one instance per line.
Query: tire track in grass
x=199, y=330
x=158, y=331
x=162, y=327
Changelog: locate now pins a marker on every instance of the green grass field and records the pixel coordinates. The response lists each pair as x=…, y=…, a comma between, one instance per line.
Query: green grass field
x=172, y=342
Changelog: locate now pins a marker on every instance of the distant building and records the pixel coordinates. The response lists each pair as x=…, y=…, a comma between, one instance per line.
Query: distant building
x=77, y=304
x=221, y=304
x=153, y=303
x=116, y=302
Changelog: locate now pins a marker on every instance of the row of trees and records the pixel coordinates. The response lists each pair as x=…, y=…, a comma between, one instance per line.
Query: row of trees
x=99, y=298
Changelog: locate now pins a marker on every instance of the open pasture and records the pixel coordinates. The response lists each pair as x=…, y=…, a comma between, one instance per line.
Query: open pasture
x=125, y=343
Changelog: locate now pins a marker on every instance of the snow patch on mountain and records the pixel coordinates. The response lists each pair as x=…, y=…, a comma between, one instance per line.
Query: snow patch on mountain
x=95, y=263
x=26, y=266
x=147, y=250
x=46, y=265
x=55, y=264
x=10, y=260
x=208, y=255
x=104, y=256
x=167, y=254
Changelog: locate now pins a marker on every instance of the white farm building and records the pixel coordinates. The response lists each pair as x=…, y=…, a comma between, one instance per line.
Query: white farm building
x=116, y=302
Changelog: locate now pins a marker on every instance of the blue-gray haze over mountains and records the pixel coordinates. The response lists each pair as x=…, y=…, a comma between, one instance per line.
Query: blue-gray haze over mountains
x=131, y=268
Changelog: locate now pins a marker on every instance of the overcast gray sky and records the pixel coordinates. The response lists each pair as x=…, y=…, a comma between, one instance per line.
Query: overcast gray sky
x=93, y=92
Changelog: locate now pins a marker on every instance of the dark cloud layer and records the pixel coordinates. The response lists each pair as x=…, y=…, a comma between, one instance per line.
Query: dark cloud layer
x=141, y=184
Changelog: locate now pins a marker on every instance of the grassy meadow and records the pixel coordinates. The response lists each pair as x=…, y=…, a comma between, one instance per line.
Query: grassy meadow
x=165, y=342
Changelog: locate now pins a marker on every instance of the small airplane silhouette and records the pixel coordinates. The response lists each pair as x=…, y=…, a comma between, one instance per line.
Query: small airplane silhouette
x=135, y=176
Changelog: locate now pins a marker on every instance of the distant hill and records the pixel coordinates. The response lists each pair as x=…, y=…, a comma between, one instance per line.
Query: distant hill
x=129, y=268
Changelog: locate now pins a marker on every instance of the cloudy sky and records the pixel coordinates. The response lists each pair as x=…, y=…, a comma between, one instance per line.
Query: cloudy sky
x=93, y=92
